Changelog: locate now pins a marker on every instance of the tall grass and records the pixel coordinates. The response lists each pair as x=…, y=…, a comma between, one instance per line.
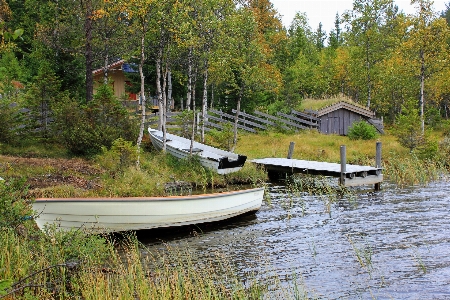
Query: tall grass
x=75, y=266
x=411, y=170
x=400, y=166
x=109, y=175
x=325, y=188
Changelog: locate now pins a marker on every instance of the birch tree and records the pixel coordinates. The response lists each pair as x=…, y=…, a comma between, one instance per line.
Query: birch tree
x=427, y=48
x=364, y=25
x=140, y=12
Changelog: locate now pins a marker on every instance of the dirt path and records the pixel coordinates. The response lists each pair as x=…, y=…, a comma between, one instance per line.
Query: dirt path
x=47, y=172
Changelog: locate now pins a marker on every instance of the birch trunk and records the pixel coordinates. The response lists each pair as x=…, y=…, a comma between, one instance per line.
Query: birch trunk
x=169, y=103
x=369, y=79
x=193, y=134
x=204, y=102
x=141, y=74
x=194, y=81
x=212, y=97
x=160, y=96
x=422, y=89
x=88, y=52
x=189, y=85
x=236, y=118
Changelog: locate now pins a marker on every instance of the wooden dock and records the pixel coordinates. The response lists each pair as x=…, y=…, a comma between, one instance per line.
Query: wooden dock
x=354, y=174
x=349, y=175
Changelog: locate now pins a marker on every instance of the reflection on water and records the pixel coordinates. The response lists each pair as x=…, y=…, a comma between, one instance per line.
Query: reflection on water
x=392, y=244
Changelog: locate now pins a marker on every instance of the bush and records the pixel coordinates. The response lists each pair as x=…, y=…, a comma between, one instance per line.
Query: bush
x=223, y=138
x=86, y=129
x=429, y=150
x=10, y=121
x=362, y=131
x=121, y=156
x=407, y=128
x=14, y=210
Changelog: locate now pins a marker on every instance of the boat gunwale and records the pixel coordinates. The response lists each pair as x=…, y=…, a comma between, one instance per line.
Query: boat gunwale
x=144, y=199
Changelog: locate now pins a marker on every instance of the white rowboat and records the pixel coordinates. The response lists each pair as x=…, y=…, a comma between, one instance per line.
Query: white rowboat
x=223, y=162
x=134, y=213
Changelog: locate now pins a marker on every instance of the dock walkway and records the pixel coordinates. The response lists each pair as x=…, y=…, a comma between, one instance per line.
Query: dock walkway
x=353, y=175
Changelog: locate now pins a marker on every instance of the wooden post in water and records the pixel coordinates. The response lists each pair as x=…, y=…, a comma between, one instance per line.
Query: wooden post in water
x=343, y=165
x=378, y=164
x=291, y=150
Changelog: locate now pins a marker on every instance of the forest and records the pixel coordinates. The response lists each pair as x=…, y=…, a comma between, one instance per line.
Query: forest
x=225, y=54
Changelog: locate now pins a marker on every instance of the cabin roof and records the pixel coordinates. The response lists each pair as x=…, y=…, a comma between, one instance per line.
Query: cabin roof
x=118, y=65
x=348, y=106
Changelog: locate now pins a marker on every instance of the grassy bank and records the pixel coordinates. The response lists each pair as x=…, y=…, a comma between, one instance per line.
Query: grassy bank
x=50, y=173
x=73, y=266
x=114, y=173
x=401, y=166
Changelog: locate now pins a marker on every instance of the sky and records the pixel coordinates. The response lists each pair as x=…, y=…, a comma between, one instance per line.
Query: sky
x=325, y=10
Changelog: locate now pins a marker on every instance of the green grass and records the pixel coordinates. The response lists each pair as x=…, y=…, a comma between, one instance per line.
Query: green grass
x=71, y=265
x=110, y=174
x=318, y=104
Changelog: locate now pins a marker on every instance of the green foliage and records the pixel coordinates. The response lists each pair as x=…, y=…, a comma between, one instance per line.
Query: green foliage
x=52, y=263
x=429, y=150
x=10, y=120
x=362, y=131
x=86, y=129
x=122, y=155
x=41, y=98
x=280, y=106
x=77, y=133
x=444, y=151
x=4, y=285
x=14, y=210
x=185, y=120
x=406, y=170
x=74, y=245
x=223, y=138
x=11, y=76
x=407, y=128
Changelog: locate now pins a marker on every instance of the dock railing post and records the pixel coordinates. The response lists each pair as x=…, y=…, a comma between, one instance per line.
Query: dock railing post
x=291, y=150
x=377, y=186
x=343, y=165
x=378, y=155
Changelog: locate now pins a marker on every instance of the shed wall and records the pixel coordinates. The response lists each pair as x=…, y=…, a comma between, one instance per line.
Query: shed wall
x=118, y=82
x=338, y=121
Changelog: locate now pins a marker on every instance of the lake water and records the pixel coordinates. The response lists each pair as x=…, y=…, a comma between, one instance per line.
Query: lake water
x=391, y=244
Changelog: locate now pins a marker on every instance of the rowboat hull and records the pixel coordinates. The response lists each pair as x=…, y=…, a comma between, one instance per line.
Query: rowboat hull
x=134, y=213
x=223, y=162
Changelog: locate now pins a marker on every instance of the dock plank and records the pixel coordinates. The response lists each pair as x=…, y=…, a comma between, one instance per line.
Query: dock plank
x=292, y=166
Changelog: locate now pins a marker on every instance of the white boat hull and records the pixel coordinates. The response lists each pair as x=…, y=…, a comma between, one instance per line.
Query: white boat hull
x=223, y=162
x=135, y=213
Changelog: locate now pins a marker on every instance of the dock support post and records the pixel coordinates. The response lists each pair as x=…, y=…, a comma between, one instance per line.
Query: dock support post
x=343, y=165
x=291, y=150
x=377, y=186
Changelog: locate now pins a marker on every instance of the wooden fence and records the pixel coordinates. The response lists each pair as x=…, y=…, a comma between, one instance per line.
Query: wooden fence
x=261, y=121
x=257, y=121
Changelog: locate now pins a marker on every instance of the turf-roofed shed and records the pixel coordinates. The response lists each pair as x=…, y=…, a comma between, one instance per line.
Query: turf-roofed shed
x=339, y=117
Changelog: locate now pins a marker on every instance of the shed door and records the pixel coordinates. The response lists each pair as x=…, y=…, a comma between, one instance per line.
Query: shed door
x=333, y=125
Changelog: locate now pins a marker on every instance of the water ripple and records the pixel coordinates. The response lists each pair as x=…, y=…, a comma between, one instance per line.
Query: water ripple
x=392, y=244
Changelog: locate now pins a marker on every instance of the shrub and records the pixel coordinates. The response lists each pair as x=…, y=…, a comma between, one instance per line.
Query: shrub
x=428, y=150
x=86, y=129
x=362, y=131
x=223, y=138
x=14, y=210
x=121, y=156
x=7, y=122
x=407, y=128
